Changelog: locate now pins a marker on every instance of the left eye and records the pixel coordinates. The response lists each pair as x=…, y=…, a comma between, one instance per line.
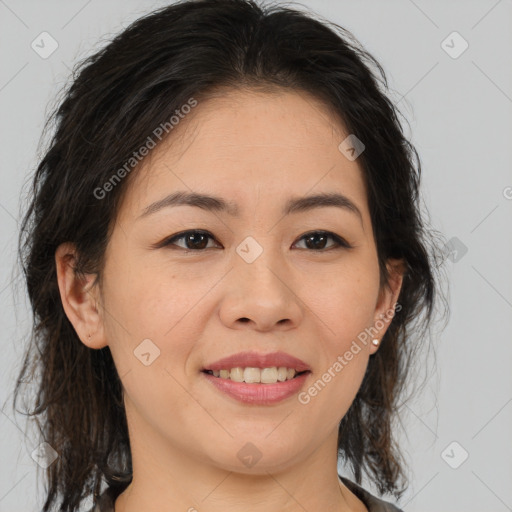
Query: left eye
x=196, y=240
x=317, y=240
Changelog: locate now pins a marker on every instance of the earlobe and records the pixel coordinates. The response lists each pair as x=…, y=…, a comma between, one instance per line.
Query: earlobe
x=388, y=297
x=80, y=298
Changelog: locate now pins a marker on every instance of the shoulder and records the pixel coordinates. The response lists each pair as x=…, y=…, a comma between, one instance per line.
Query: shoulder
x=372, y=503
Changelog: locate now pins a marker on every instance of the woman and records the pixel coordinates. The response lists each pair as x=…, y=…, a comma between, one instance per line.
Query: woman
x=225, y=258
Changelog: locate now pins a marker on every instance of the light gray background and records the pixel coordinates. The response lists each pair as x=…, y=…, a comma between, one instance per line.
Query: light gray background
x=460, y=121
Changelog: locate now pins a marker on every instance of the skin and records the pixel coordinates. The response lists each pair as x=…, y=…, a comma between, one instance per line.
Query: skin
x=258, y=150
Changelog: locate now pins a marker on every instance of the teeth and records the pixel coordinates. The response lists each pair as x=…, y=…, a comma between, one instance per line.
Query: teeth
x=257, y=375
x=252, y=375
x=236, y=374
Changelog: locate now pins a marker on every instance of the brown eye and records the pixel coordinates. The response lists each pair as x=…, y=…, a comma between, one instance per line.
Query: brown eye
x=193, y=240
x=317, y=240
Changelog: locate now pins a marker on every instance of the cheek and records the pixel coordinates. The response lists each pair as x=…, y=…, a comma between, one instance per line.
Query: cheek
x=147, y=300
x=344, y=301
x=344, y=306
x=345, y=351
x=164, y=306
x=149, y=329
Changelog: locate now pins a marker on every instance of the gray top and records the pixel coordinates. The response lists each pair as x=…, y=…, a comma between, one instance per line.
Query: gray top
x=107, y=499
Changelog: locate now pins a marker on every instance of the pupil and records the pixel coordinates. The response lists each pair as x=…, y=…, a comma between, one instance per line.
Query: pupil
x=320, y=245
x=194, y=243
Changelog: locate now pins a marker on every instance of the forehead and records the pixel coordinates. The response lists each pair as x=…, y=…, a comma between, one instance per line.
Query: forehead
x=245, y=142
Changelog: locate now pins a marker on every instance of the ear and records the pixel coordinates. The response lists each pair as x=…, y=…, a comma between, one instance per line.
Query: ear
x=80, y=298
x=386, y=303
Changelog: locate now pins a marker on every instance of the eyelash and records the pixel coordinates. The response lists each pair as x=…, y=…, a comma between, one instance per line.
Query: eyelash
x=341, y=243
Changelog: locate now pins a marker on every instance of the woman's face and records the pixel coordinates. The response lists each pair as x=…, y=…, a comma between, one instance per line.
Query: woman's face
x=169, y=309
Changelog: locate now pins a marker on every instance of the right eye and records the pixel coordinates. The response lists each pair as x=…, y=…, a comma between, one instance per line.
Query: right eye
x=194, y=240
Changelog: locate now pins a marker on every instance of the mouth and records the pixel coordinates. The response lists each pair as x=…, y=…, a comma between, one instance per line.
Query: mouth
x=256, y=378
x=262, y=388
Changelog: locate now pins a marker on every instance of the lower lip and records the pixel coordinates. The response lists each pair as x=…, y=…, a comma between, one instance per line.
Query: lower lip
x=258, y=394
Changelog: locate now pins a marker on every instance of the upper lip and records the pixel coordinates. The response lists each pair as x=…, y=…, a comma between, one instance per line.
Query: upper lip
x=257, y=360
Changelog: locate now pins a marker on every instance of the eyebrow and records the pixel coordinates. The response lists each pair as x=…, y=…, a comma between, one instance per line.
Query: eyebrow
x=217, y=204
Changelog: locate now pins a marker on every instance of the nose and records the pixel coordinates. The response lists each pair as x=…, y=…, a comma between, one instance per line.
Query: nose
x=261, y=295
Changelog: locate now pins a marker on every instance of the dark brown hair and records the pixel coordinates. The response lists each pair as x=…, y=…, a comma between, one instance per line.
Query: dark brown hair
x=117, y=98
